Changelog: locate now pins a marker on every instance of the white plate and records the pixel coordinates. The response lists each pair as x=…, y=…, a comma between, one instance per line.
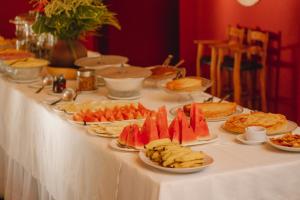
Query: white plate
x=288, y=128
x=70, y=119
x=124, y=98
x=212, y=138
x=207, y=161
x=293, y=149
x=205, y=85
x=115, y=145
x=239, y=109
x=106, y=135
x=38, y=85
x=242, y=139
x=24, y=81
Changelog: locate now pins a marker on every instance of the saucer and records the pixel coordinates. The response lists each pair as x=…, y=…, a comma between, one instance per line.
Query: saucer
x=242, y=139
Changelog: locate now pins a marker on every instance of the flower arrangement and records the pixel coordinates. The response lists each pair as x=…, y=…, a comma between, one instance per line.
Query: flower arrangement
x=72, y=19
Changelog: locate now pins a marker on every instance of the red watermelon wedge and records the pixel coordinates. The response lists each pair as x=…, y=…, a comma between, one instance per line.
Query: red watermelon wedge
x=149, y=130
x=187, y=133
x=198, y=122
x=174, y=130
x=130, y=138
x=124, y=134
x=138, y=142
x=162, y=123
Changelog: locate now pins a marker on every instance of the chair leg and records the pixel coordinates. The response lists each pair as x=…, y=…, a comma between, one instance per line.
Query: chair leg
x=213, y=64
x=219, y=72
x=250, y=89
x=198, y=59
x=237, y=78
x=262, y=80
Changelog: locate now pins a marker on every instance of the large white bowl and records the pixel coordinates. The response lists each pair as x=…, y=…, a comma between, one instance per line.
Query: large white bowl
x=124, y=87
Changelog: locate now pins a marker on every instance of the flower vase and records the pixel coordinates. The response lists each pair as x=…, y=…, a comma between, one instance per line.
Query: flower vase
x=65, y=52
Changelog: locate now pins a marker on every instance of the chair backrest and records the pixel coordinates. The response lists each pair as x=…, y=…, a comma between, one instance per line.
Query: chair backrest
x=260, y=40
x=235, y=35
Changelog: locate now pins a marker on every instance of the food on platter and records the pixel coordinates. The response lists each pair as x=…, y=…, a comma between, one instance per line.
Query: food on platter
x=186, y=84
x=172, y=155
x=115, y=113
x=26, y=63
x=159, y=71
x=111, y=129
x=154, y=127
x=272, y=122
x=180, y=131
x=213, y=109
x=72, y=107
x=6, y=43
x=288, y=140
x=11, y=54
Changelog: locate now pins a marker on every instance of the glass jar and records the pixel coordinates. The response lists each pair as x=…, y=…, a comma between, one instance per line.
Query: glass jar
x=59, y=84
x=86, y=79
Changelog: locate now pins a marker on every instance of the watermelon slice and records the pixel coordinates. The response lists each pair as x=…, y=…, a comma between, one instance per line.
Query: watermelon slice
x=149, y=131
x=124, y=134
x=162, y=123
x=186, y=131
x=198, y=122
x=138, y=141
x=174, y=130
x=130, y=138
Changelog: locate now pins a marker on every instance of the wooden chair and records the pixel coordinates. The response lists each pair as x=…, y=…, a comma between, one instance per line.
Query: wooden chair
x=235, y=36
x=248, y=58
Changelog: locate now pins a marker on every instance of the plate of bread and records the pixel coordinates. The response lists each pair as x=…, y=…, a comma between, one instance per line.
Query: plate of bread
x=185, y=85
x=213, y=111
x=274, y=123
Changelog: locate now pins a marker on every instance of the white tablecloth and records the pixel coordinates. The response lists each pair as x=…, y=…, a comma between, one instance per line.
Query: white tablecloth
x=43, y=156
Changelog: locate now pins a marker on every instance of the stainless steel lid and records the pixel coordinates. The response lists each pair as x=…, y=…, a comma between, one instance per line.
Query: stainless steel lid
x=85, y=72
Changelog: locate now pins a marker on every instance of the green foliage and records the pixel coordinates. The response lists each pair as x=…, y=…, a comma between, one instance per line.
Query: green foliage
x=70, y=19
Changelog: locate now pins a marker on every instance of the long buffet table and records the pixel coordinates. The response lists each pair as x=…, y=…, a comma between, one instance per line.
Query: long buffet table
x=43, y=156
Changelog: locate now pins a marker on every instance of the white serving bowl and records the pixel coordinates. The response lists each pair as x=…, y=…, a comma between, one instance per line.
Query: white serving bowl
x=124, y=87
x=29, y=69
x=24, y=73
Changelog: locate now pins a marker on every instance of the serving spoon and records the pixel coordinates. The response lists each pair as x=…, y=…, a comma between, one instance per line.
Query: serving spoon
x=47, y=80
x=67, y=95
x=167, y=60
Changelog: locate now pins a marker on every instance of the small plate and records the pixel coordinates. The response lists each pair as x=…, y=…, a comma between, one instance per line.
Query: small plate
x=207, y=162
x=38, y=85
x=239, y=109
x=242, y=139
x=284, y=148
x=115, y=145
x=106, y=135
x=212, y=138
x=288, y=128
x=205, y=85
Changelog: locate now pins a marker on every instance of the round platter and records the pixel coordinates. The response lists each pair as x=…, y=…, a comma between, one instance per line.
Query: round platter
x=114, y=144
x=290, y=126
x=281, y=147
x=205, y=85
x=207, y=140
x=239, y=109
x=207, y=162
x=138, y=96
